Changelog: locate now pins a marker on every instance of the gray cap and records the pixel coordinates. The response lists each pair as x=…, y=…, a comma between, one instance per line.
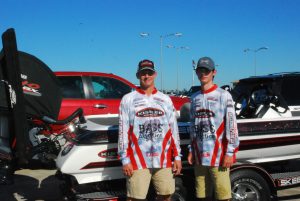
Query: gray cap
x=206, y=62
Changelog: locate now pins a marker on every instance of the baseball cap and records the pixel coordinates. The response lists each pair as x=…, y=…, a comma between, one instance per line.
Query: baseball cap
x=145, y=65
x=206, y=62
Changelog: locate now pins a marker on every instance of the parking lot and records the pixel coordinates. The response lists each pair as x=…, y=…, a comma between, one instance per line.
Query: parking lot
x=41, y=185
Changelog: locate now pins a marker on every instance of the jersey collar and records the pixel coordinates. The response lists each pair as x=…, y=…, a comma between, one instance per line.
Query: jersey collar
x=142, y=92
x=214, y=87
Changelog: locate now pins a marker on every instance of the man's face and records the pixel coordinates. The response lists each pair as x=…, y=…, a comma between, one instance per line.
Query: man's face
x=205, y=75
x=147, y=78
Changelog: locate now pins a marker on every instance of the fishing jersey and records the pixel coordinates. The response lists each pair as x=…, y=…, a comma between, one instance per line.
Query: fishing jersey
x=213, y=126
x=148, y=131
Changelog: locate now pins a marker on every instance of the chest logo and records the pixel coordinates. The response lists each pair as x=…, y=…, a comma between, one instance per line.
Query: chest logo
x=204, y=113
x=150, y=112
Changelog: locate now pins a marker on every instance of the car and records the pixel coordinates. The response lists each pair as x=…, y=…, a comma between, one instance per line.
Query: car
x=98, y=94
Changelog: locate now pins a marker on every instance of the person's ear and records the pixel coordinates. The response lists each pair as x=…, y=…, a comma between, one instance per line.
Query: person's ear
x=214, y=72
x=137, y=75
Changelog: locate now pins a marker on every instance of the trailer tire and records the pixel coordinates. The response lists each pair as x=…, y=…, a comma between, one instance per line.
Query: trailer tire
x=249, y=185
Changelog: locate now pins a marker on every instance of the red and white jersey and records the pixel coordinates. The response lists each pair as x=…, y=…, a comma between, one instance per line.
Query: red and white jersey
x=213, y=126
x=148, y=131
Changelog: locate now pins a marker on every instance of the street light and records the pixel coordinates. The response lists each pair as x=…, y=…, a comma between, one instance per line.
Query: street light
x=255, y=50
x=177, y=51
x=178, y=34
x=145, y=34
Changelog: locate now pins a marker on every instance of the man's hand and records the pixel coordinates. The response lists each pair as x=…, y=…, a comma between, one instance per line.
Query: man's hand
x=177, y=167
x=190, y=158
x=128, y=170
x=228, y=161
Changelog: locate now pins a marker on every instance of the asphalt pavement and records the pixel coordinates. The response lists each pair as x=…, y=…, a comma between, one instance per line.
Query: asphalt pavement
x=41, y=185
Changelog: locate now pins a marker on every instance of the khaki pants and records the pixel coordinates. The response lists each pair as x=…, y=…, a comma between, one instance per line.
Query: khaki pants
x=209, y=178
x=138, y=184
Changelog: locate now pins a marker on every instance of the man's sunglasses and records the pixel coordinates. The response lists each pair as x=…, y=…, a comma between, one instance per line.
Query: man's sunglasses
x=144, y=72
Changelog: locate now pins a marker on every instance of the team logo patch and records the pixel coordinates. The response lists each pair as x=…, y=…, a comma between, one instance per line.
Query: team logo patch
x=203, y=113
x=150, y=112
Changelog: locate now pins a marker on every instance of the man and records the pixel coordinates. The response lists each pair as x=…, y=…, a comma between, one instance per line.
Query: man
x=148, y=138
x=214, y=135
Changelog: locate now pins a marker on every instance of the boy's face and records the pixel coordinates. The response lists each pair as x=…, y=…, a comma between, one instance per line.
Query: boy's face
x=147, y=78
x=205, y=75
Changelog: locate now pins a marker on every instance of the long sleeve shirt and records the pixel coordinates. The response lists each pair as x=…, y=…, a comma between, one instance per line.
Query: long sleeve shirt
x=213, y=126
x=148, y=131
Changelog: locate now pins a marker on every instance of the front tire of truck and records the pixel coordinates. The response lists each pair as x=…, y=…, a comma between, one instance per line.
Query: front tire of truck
x=248, y=185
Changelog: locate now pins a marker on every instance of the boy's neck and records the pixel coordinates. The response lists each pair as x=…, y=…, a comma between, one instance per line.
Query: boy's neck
x=206, y=86
x=148, y=90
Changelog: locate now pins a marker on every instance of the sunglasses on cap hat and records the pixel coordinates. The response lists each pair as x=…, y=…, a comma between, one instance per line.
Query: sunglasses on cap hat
x=146, y=71
x=204, y=71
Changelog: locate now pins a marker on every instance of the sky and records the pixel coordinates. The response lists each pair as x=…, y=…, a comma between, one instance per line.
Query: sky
x=104, y=36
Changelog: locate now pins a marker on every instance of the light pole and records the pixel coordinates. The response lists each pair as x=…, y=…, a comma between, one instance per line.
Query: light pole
x=145, y=34
x=193, y=72
x=255, y=50
x=177, y=70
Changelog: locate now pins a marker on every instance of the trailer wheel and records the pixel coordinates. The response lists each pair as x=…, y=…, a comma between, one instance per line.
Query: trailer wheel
x=248, y=185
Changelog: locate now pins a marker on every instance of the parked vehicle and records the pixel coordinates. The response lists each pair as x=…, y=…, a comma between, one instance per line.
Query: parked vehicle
x=98, y=94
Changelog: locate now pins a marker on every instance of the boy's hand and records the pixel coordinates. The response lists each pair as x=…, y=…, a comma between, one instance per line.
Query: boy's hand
x=177, y=167
x=128, y=170
x=228, y=161
x=190, y=158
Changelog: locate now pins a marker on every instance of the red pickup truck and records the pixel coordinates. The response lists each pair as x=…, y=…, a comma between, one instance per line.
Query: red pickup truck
x=98, y=94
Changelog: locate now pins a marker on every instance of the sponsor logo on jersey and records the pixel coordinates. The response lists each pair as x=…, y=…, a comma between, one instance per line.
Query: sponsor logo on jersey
x=153, y=152
x=205, y=131
x=150, y=112
x=158, y=99
x=205, y=154
x=151, y=130
x=232, y=127
x=204, y=113
x=212, y=99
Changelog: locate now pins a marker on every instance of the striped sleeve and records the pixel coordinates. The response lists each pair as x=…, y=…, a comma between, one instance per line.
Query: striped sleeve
x=231, y=126
x=123, y=140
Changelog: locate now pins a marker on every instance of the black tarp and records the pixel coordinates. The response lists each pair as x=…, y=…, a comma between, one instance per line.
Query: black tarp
x=3, y=95
x=40, y=87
